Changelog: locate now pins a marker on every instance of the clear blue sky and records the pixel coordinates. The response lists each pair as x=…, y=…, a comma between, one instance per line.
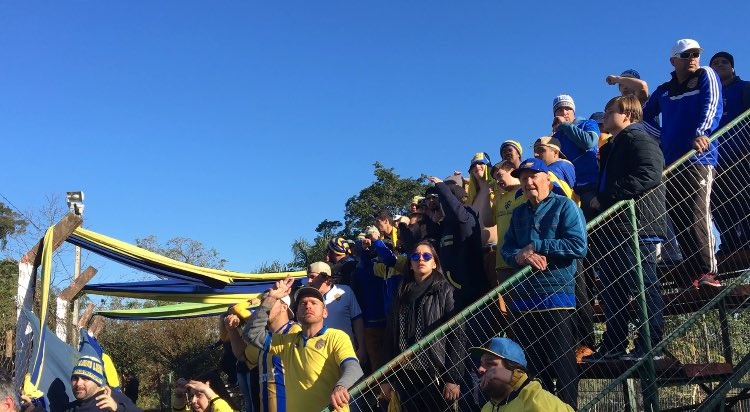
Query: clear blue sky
x=244, y=124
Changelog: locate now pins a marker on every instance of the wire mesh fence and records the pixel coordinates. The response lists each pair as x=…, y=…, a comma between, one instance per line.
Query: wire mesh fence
x=667, y=333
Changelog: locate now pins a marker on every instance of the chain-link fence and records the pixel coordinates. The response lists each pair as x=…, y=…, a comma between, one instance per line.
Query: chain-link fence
x=643, y=289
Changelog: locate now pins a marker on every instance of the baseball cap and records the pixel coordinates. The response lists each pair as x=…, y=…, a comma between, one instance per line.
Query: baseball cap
x=322, y=268
x=683, y=45
x=533, y=163
x=482, y=158
x=308, y=291
x=598, y=117
x=502, y=348
x=631, y=73
x=550, y=142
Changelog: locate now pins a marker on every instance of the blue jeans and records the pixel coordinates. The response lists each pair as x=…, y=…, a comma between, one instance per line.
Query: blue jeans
x=617, y=272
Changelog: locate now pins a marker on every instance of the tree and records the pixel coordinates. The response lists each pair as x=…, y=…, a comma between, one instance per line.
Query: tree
x=153, y=349
x=389, y=191
x=184, y=250
x=10, y=223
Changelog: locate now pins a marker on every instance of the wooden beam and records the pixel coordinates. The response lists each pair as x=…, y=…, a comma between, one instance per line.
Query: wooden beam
x=62, y=230
x=77, y=284
x=8, y=343
x=96, y=326
x=86, y=315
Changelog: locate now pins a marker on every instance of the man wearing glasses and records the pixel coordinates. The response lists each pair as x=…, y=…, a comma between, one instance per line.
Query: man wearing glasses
x=691, y=106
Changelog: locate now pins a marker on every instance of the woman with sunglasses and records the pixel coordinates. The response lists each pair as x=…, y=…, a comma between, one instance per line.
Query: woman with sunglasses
x=424, y=301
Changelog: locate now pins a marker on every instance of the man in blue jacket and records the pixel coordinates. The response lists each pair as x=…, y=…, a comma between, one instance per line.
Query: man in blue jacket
x=548, y=233
x=579, y=140
x=691, y=106
x=729, y=198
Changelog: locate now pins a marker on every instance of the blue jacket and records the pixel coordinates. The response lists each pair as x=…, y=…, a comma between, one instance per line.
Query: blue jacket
x=377, y=281
x=579, y=141
x=564, y=170
x=736, y=101
x=557, y=230
x=688, y=110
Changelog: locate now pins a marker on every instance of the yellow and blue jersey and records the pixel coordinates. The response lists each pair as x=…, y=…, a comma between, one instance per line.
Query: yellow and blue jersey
x=271, y=373
x=309, y=367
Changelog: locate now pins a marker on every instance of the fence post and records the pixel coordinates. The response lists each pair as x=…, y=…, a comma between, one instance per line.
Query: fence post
x=648, y=377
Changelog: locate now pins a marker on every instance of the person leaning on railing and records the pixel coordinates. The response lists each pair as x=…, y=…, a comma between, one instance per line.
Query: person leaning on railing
x=631, y=166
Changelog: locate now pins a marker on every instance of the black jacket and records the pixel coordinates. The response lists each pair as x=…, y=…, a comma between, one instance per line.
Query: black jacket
x=436, y=306
x=460, y=249
x=124, y=404
x=630, y=166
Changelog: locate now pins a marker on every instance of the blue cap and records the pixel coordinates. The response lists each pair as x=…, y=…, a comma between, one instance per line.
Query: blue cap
x=502, y=348
x=533, y=163
x=631, y=73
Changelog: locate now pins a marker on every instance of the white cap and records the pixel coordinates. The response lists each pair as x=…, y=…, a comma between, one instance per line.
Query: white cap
x=684, y=45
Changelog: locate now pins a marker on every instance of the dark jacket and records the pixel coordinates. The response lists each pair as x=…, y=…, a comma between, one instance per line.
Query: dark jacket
x=631, y=165
x=124, y=404
x=461, y=248
x=436, y=307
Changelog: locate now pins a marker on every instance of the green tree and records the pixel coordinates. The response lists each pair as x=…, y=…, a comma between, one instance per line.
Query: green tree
x=153, y=349
x=10, y=223
x=389, y=191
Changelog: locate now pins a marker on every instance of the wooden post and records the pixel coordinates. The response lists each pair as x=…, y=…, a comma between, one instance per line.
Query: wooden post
x=9, y=343
x=86, y=315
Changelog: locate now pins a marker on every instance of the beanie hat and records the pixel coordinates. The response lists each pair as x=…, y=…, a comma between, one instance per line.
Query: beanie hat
x=724, y=55
x=91, y=368
x=563, y=100
x=512, y=143
x=339, y=246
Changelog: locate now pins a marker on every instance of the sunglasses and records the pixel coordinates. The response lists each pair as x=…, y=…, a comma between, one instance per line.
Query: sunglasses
x=425, y=256
x=689, y=55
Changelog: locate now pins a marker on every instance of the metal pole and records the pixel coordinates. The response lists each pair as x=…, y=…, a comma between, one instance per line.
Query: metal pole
x=76, y=304
x=648, y=377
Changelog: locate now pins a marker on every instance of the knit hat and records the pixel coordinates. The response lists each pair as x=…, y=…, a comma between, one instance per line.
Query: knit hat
x=502, y=348
x=339, y=246
x=322, y=268
x=512, y=143
x=685, y=45
x=724, y=55
x=631, y=73
x=550, y=142
x=563, y=100
x=91, y=368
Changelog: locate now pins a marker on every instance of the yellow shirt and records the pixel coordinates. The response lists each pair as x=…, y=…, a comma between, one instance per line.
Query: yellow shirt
x=310, y=367
x=502, y=210
x=532, y=398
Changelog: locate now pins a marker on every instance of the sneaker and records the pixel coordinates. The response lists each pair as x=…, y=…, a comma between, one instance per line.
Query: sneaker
x=583, y=351
x=600, y=357
x=636, y=355
x=708, y=279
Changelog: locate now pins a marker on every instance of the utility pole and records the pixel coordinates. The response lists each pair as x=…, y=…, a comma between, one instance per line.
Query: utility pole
x=75, y=204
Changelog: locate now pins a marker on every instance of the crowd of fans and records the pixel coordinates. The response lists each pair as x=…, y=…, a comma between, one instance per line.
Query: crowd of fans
x=404, y=276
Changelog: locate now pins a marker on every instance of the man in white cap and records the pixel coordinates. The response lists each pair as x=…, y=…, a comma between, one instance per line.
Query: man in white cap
x=579, y=140
x=690, y=105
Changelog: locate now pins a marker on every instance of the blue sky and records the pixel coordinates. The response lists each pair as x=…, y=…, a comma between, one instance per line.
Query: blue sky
x=244, y=124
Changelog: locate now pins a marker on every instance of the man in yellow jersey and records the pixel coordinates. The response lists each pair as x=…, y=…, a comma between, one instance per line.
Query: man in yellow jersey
x=502, y=366
x=319, y=364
